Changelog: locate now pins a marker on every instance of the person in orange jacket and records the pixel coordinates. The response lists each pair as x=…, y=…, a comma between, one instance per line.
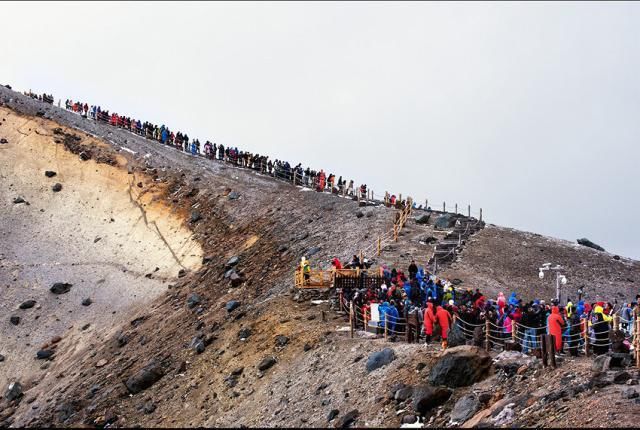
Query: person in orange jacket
x=429, y=318
x=556, y=325
x=444, y=319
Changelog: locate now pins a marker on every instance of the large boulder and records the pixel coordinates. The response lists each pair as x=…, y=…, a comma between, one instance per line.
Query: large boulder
x=455, y=337
x=428, y=240
x=60, y=288
x=380, y=358
x=27, y=304
x=233, y=261
x=266, y=363
x=348, y=419
x=465, y=408
x=586, y=242
x=511, y=361
x=461, y=366
x=193, y=300
x=145, y=377
x=195, y=216
x=426, y=398
x=232, y=305
x=236, y=280
x=44, y=354
x=445, y=221
x=14, y=391
x=423, y=219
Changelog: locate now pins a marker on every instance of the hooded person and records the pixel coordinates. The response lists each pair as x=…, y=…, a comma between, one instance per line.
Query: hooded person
x=556, y=325
x=502, y=301
x=600, y=325
x=336, y=263
x=429, y=318
x=394, y=317
x=575, y=328
x=444, y=319
x=385, y=310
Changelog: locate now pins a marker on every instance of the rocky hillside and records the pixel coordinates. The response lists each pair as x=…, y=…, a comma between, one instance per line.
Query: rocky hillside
x=188, y=265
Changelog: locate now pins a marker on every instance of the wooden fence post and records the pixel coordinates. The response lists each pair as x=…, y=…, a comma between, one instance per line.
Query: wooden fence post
x=487, y=328
x=551, y=350
x=379, y=245
x=514, y=329
x=426, y=204
x=616, y=322
x=351, y=322
x=543, y=346
x=444, y=206
x=386, y=318
x=468, y=211
x=456, y=209
x=480, y=214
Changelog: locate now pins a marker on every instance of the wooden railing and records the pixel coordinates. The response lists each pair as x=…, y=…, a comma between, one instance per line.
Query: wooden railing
x=326, y=278
x=402, y=220
x=315, y=279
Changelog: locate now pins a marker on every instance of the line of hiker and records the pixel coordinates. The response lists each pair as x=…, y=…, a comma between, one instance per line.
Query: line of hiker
x=317, y=180
x=44, y=97
x=419, y=305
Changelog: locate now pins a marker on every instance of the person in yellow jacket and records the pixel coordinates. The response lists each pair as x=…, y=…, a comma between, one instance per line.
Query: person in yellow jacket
x=306, y=270
x=600, y=324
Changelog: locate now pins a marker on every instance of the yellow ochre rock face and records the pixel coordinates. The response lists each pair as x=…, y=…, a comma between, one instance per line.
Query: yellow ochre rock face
x=117, y=243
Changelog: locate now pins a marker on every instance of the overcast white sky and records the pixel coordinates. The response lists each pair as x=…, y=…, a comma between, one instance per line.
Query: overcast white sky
x=528, y=110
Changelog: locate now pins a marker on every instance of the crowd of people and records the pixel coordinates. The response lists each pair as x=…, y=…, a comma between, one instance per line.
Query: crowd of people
x=44, y=97
x=281, y=169
x=417, y=304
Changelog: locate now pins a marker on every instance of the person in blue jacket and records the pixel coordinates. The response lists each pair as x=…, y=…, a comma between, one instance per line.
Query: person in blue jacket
x=513, y=300
x=383, y=309
x=394, y=315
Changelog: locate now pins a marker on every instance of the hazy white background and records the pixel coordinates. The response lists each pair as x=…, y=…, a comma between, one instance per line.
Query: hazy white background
x=528, y=110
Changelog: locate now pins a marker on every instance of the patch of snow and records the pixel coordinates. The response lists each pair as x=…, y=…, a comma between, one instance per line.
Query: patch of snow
x=319, y=302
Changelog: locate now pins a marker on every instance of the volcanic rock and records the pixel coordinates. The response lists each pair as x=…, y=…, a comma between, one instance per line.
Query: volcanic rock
x=145, y=377
x=380, y=358
x=60, y=288
x=27, y=304
x=460, y=366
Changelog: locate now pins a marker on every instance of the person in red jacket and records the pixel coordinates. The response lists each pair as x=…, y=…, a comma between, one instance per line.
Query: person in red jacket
x=336, y=263
x=556, y=325
x=429, y=318
x=444, y=319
